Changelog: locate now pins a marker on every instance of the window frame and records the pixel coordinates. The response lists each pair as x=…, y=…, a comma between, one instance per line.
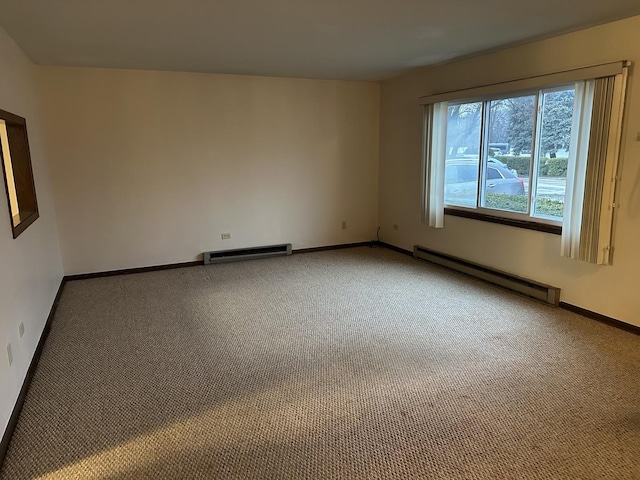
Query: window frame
x=505, y=217
x=16, y=120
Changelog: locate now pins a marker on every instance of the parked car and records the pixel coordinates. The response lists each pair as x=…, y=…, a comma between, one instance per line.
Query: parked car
x=502, y=164
x=499, y=148
x=461, y=180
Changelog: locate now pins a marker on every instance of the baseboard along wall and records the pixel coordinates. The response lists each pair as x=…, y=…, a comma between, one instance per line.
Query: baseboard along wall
x=15, y=414
x=6, y=438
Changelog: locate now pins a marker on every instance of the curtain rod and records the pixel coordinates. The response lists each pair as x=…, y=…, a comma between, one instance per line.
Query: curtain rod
x=575, y=72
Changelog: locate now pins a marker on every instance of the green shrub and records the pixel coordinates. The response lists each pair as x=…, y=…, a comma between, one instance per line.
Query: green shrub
x=546, y=206
x=504, y=201
x=557, y=167
x=552, y=167
x=543, y=168
x=518, y=203
x=519, y=164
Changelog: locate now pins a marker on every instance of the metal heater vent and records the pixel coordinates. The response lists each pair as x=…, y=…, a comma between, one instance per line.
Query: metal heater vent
x=251, y=253
x=524, y=286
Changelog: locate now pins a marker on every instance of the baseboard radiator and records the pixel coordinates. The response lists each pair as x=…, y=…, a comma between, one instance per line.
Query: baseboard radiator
x=524, y=286
x=224, y=256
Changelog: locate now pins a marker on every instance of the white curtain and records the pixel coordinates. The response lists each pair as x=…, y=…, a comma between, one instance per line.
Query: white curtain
x=576, y=169
x=592, y=169
x=434, y=153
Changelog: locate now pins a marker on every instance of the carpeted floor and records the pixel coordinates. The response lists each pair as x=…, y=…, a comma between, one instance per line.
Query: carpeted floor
x=358, y=363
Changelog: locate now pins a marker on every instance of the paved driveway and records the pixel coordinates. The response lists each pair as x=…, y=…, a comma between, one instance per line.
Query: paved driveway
x=549, y=187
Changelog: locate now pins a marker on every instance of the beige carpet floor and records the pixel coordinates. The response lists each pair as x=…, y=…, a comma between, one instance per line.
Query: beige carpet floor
x=359, y=363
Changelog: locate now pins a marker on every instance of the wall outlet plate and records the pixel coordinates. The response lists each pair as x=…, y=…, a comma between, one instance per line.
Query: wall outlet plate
x=344, y=225
x=21, y=329
x=9, y=354
x=225, y=236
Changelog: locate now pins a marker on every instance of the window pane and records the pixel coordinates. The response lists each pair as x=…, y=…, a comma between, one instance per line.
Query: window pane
x=468, y=173
x=464, y=123
x=555, y=136
x=510, y=129
x=493, y=173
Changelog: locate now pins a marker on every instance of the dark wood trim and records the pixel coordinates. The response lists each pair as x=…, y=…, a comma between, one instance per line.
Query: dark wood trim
x=395, y=249
x=601, y=318
x=15, y=414
x=566, y=306
x=22, y=226
x=128, y=271
x=171, y=266
x=333, y=247
x=11, y=117
x=6, y=438
x=540, y=227
x=16, y=120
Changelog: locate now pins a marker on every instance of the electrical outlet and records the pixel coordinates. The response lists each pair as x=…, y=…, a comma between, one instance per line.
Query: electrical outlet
x=9, y=354
x=21, y=329
x=344, y=225
x=395, y=227
x=226, y=236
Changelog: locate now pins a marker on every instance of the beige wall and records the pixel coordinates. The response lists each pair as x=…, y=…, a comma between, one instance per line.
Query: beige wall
x=151, y=167
x=30, y=266
x=611, y=290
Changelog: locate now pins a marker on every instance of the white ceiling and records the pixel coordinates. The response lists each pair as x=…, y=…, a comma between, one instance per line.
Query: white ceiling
x=338, y=39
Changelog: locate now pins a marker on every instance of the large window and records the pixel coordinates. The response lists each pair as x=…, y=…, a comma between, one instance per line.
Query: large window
x=18, y=176
x=519, y=146
x=538, y=152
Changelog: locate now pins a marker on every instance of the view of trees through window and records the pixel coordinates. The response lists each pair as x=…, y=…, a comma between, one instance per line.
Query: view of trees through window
x=525, y=140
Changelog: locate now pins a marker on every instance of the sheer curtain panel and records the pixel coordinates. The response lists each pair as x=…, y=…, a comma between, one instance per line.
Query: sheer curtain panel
x=434, y=146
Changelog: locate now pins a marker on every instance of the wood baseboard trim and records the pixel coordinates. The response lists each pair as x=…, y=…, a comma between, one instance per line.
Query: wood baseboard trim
x=15, y=414
x=128, y=271
x=566, y=306
x=13, y=420
x=601, y=318
x=395, y=249
x=171, y=266
x=333, y=247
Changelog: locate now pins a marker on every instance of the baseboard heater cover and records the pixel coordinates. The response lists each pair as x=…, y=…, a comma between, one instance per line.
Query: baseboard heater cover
x=224, y=256
x=524, y=286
